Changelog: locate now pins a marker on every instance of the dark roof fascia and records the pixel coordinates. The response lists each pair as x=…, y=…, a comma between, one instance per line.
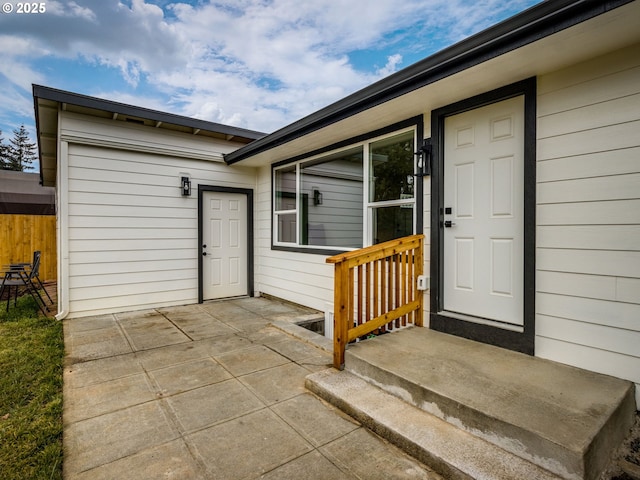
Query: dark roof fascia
x=37, y=118
x=63, y=96
x=533, y=24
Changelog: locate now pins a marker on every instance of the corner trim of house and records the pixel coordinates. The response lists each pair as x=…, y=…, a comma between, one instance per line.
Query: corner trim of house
x=63, y=230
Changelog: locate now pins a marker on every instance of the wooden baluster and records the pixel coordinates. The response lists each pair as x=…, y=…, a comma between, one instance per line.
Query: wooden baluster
x=367, y=281
x=376, y=290
x=358, y=298
x=384, y=277
x=398, y=283
x=405, y=290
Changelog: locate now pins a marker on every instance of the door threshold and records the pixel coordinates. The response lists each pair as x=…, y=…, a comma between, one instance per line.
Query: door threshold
x=483, y=321
x=223, y=299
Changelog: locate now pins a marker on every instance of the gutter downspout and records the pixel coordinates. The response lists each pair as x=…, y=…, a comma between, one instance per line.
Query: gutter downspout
x=63, y=227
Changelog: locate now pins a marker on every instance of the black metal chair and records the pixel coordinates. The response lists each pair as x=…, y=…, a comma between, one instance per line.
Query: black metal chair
x=35, y=267
x=23, y=275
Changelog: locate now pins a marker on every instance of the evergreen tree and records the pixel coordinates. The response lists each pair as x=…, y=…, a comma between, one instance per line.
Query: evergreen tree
x=20, y=152
x=3, y=154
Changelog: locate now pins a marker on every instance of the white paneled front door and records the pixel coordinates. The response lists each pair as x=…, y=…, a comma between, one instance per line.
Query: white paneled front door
x=483, y=275
x=224, y=249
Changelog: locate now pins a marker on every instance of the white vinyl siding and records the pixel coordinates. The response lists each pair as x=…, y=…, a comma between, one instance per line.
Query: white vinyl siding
x=132, y=236
x=588, y=216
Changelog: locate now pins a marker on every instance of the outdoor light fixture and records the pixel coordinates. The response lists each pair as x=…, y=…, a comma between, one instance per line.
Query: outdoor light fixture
x=423, y=156
x=186, y=187
x=317, y=197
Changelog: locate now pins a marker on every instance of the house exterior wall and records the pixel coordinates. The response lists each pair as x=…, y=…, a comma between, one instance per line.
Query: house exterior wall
x=131, y=237
x=587, y=226
x=588, y=216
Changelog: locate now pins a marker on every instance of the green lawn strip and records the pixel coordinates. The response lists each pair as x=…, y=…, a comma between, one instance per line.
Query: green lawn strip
x=31, y=364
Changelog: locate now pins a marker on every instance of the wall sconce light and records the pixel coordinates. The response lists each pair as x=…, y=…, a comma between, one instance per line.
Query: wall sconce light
x=317, y=197
x=424, y=155
x=186, y=186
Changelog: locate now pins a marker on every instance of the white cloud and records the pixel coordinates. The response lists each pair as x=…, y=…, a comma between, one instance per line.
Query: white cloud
x=253, y=63
x=392, y=65
x=70, y=9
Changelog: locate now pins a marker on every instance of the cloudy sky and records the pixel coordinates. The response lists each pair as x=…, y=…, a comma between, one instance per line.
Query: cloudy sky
x=257, y=64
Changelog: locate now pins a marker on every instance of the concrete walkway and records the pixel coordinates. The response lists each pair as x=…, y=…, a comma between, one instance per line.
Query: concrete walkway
x=212, y=391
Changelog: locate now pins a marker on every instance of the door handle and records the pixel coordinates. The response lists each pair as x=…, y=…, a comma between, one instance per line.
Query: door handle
x=204, y=254
x=448, y=224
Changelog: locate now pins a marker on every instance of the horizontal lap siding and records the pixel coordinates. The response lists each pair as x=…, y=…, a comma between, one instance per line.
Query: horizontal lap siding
x=588, y=216
x=132, y=236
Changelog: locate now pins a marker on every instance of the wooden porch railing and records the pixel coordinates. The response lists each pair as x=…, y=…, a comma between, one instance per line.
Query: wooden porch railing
x=375, y=289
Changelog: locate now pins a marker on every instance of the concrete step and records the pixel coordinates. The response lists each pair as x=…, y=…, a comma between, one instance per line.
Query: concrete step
x=562, y=419
x=450, y=451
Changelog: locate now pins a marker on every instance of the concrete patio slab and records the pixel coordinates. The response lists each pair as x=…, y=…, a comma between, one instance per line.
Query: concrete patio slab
x=93, y=344
x=187, y=376
x=170, y=460
x=249, y=360
x=228, y=311
x=276, y=384
x=212, y=405
x=91, y=323
x=163, y=357
x=267, y=335
x=105, y=397
x=151, y=395
x=261, y=440
x=84, y=374
x=196, y=327
x=295, y=350
x=226, y=344
x=314, y=419
x=312, y=465
x=152, y=331
x=365, y=455
x=116, y=435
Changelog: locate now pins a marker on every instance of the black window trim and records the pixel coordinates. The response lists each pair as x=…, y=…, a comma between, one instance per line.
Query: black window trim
x=417, y=122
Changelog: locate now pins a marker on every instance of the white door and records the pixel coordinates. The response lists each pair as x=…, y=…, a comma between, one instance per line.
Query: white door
x=224, y=249
x=483, y=275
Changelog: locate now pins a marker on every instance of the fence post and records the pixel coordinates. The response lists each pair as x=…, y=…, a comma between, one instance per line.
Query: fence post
x=341, y=314
x=419, y=268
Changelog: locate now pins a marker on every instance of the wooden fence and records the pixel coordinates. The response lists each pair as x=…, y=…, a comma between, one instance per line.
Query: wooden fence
x=21, y=235
x=375, y=289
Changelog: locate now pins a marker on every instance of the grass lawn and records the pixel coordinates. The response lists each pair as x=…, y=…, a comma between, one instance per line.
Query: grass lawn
x=31, y=365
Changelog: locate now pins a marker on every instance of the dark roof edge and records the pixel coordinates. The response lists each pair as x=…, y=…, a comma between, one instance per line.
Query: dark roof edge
x=533, y=24
x=63, y=96
x=37, y=118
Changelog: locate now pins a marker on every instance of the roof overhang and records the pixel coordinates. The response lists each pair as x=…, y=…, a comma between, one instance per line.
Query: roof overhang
x=48, y=102
x=542, y=39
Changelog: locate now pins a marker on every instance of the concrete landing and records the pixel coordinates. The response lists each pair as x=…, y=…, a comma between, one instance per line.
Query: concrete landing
x=560, y=418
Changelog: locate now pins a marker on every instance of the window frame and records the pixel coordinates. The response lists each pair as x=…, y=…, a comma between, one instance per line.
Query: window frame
x=414, y=124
